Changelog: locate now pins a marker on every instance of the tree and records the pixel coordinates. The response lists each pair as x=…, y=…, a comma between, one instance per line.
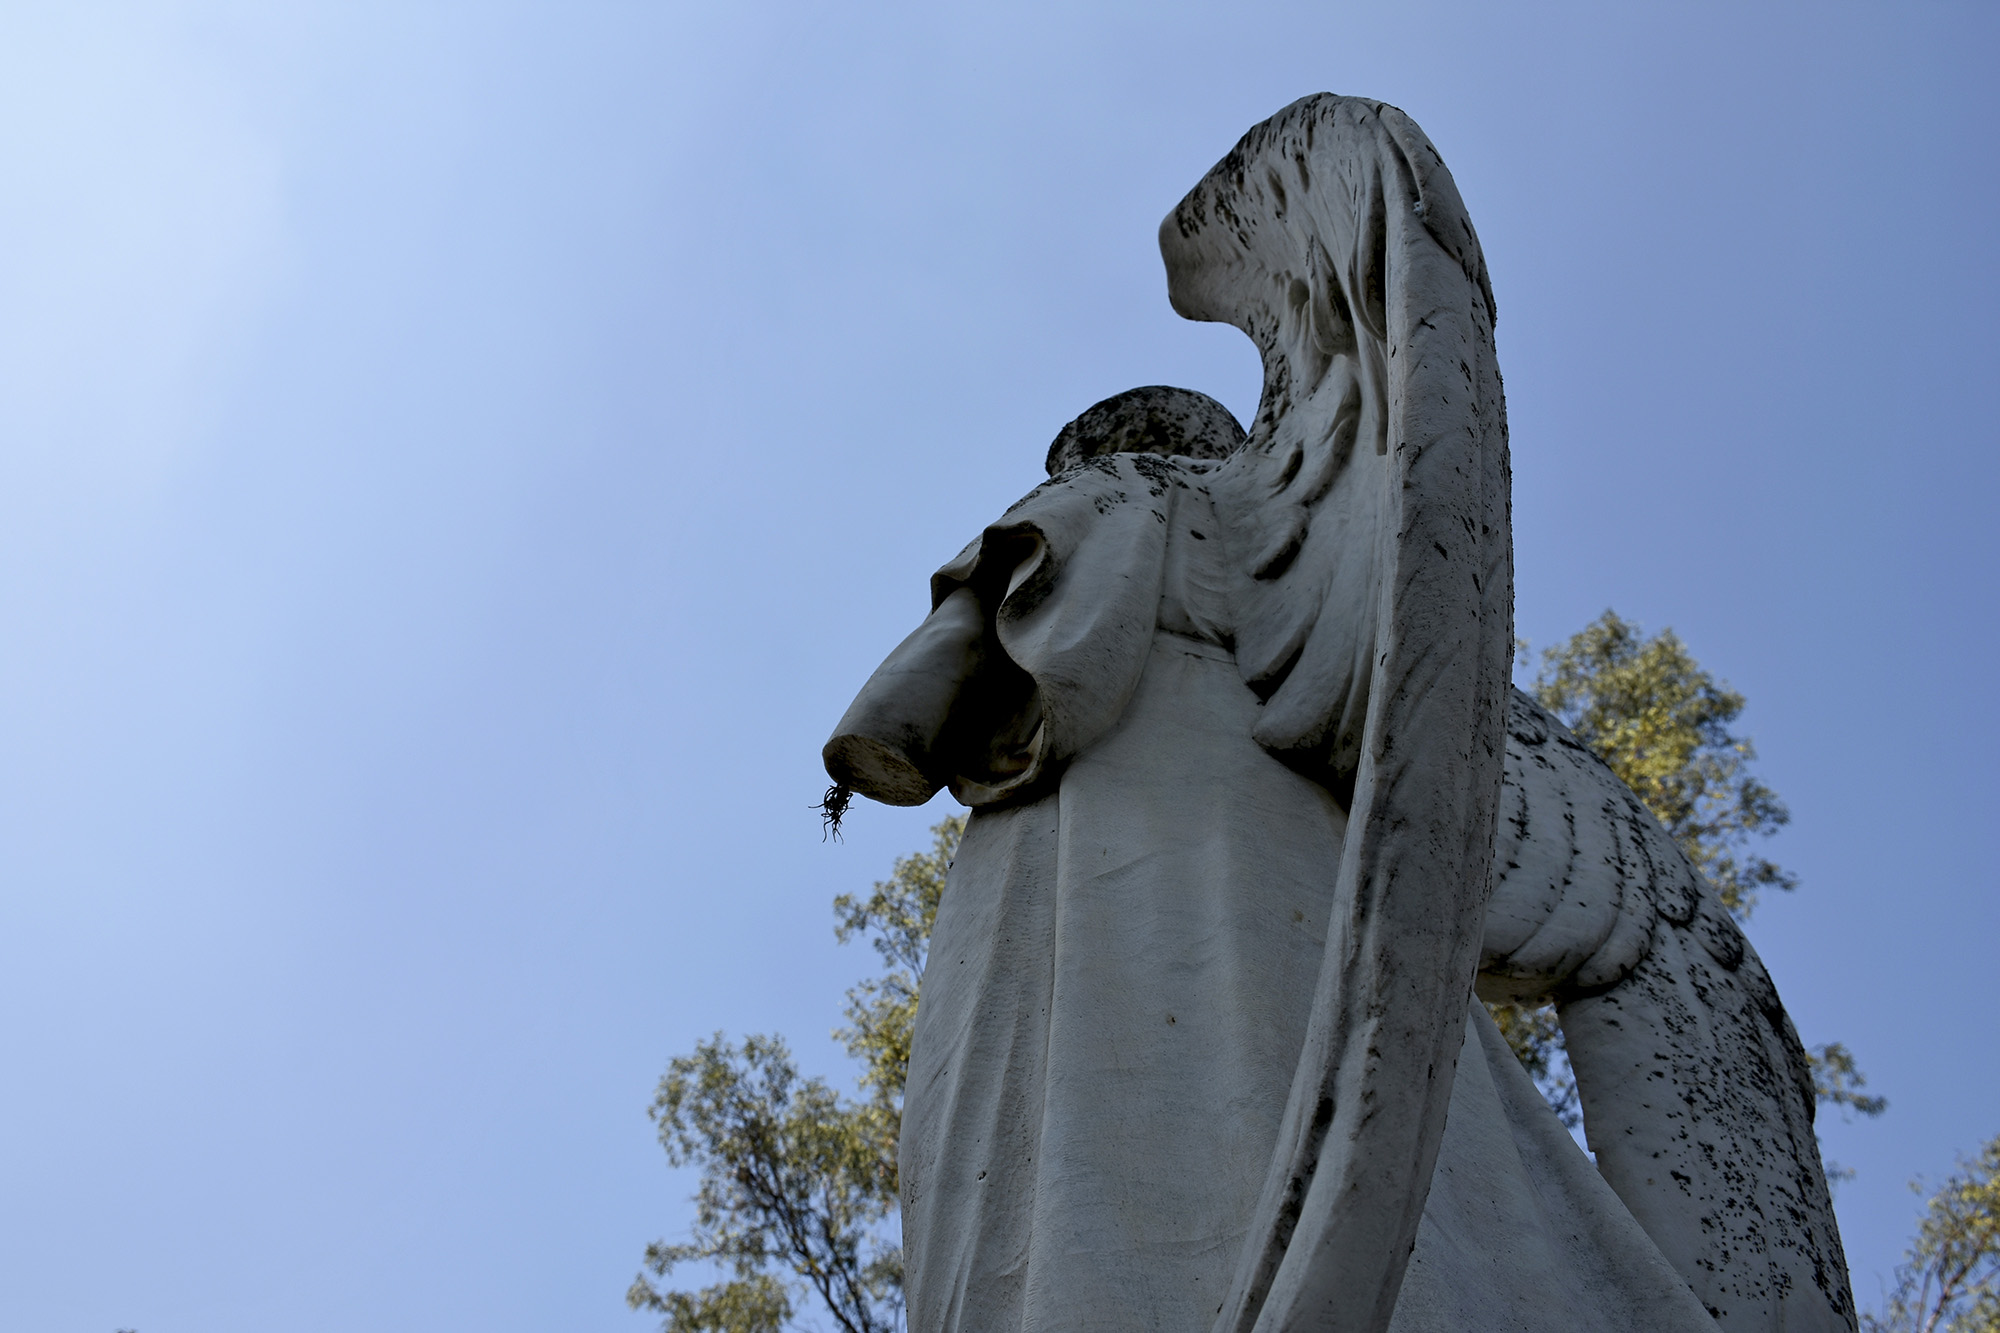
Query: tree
x=1661, y=722
x=1950, y=1282
x=882, y=1013
x=796, y=1181
x=791, y=1178
x=1839, y=1083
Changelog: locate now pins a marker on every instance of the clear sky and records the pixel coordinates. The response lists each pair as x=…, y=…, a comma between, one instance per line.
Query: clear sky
x=458, y=460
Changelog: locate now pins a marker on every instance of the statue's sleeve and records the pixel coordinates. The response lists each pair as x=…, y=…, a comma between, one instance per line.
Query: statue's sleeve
x=1697, y=1098
x=1036, y=638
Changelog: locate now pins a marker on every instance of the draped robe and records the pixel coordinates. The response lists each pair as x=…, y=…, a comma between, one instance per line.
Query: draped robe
x=1123, y=964
x=1196, y=1047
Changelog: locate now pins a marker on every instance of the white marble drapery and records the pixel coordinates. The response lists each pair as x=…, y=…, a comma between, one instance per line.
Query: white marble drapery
x=1122, y=975
x=1193, y=1048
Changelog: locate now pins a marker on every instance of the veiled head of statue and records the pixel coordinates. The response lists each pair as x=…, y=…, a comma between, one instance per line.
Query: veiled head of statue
x=1157, y=419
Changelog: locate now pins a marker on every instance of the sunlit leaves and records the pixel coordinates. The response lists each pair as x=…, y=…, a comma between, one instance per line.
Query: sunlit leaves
x=792, y=1182
x=795, y=1179
x=897, y=915
x=1950, y=1282
x=1661, y=722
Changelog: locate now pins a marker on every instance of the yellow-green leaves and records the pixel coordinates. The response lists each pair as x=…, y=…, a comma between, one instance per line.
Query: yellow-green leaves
x=791, y=1180
x=1661, y=722
x=1950, y=1282
x=794, y=1177
x=898, y=915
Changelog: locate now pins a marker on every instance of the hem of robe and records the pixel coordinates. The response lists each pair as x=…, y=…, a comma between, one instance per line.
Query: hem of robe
x=1520, y=1233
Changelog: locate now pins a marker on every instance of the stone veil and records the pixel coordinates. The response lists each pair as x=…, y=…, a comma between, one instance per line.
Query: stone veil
x=1197, y=1046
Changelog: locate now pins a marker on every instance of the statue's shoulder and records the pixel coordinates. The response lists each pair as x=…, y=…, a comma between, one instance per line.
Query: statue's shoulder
x=1104, y=481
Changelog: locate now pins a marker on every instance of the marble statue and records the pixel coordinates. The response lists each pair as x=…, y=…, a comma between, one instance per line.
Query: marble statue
x=1256, y=816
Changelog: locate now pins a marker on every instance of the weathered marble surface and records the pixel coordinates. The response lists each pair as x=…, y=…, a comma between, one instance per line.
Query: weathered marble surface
x=1697, y=1098
x=1233, y=718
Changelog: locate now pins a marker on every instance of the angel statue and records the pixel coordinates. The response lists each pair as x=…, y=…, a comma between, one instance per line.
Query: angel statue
x=1257, y=818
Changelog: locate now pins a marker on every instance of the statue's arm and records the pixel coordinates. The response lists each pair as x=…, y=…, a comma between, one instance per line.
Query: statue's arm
x=1699, y=1106
x=1697, y=1099
x=1038, y=637
x=894, y=743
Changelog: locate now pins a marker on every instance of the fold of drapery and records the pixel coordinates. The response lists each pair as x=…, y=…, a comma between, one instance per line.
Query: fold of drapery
x=1334, y=237
x=1368, y=610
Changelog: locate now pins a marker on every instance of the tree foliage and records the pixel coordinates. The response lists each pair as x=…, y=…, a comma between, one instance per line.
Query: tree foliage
x=792, y=1183
x=1950, y=1281
x=1839, y=1083
x=796, y=1181
x=1661, y=722
x=882, y=1012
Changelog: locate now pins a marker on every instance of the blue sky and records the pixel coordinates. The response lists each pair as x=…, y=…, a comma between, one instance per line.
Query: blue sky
x=457, y=461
